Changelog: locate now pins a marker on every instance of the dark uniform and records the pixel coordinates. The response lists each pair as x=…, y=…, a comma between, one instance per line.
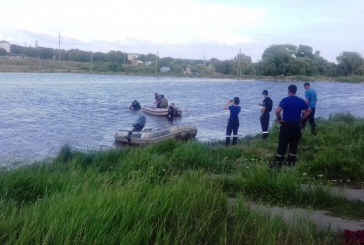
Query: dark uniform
x=290, y=129
x=233, y=124
x=172, y=112
x=135, y=105
x=264, y=118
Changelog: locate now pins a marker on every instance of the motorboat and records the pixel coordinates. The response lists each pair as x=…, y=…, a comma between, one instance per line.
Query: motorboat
x=162, y=112
x=139, y=136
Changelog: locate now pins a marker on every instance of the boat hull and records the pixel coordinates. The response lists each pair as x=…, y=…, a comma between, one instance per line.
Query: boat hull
x=149, y=136
x=162, y=112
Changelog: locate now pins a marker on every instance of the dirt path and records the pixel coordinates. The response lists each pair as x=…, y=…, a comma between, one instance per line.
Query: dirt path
x=321, y=218
x=318, y=217
x=350, y=194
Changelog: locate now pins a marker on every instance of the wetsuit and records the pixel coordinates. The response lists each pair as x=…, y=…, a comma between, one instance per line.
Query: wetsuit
x=172, y=111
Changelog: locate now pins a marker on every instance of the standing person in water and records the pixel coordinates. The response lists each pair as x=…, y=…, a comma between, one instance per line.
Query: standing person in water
x=233, y=124
x=172, y=112
x=264, y=113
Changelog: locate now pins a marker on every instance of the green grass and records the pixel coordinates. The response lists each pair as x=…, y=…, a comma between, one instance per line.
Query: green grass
x=178, y=193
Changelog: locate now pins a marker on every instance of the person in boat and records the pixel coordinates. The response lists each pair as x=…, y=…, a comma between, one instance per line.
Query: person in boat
x=172, y=112
x=158, y=99
x=163, y=102
x=266, y=105
x=233, y=124
x=135, y=105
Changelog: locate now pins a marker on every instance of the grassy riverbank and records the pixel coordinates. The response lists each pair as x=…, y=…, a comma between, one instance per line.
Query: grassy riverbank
x=178, y=193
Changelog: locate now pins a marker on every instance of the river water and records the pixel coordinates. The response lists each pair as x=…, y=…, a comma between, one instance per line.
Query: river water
x=42, y=112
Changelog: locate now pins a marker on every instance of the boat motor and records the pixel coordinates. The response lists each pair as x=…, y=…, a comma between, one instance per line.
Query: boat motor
x=139, y=124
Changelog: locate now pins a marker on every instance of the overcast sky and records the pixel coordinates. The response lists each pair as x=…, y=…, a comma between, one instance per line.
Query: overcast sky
x=189, y=29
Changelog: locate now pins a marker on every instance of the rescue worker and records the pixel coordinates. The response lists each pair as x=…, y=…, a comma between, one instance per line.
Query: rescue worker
x=233, y=124
x=290, y=128
x=163, y=102
x=172, y=112
x=135, y=105
x=267, y=105
x=158, y=99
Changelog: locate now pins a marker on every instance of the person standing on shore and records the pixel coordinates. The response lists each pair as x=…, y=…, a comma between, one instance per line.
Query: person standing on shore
x=233, y=124
x=311, y=100
x=290, y=130
x=267, y=105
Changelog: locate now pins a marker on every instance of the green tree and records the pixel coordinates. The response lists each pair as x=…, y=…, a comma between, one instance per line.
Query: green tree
x=3, y=52
x=46, y=53
x=165, y=62
x=115, y=56
x=304, y=51
x=349, y=63
x=244, y=65
x=226, y=67
x=99, y=57
x=275, y=58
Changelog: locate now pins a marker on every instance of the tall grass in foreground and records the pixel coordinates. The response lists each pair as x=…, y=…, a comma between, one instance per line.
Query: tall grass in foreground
x=178, y=193
x=188, y=210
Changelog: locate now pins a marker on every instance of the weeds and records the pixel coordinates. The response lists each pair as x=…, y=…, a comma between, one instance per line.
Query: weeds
x=177, y=193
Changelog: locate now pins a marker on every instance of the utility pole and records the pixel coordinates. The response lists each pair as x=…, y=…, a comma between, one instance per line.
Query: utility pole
x=59, y=49
x=91, y=62
x=238, y=71
x=156, y=63
x=204, y=59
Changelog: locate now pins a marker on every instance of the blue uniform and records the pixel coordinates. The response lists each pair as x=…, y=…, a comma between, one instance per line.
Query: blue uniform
x=290, y=130
x=233, y=124
x=292, y=108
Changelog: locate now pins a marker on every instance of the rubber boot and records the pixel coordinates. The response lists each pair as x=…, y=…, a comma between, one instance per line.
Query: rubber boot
x=291, y=161
x=227, y=141
x=235, y=140
x=313, y=131
x=278, y=161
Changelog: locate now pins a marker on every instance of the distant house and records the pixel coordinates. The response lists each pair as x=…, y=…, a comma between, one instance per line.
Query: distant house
x=134, y=59
x=165, y=69
x=137, y=62
x=5, y=45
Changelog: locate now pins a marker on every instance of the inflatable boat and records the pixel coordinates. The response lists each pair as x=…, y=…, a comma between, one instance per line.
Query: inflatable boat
x=154, y=135
x=162, y=112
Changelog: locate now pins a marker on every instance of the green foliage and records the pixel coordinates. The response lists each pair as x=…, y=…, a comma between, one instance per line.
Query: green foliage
x=350, y=63
x=290, y=60
x=178, y=193
x=3, y=52
x=277, y=60
x=337, y=150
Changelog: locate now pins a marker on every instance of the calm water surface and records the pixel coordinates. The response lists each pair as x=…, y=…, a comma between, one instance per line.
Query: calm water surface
x=42, y=112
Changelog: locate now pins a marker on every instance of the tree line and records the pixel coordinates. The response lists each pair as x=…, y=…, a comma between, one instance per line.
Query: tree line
x=277, y=60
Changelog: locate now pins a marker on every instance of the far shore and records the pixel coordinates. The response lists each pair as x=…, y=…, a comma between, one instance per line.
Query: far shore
x=73, y=67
